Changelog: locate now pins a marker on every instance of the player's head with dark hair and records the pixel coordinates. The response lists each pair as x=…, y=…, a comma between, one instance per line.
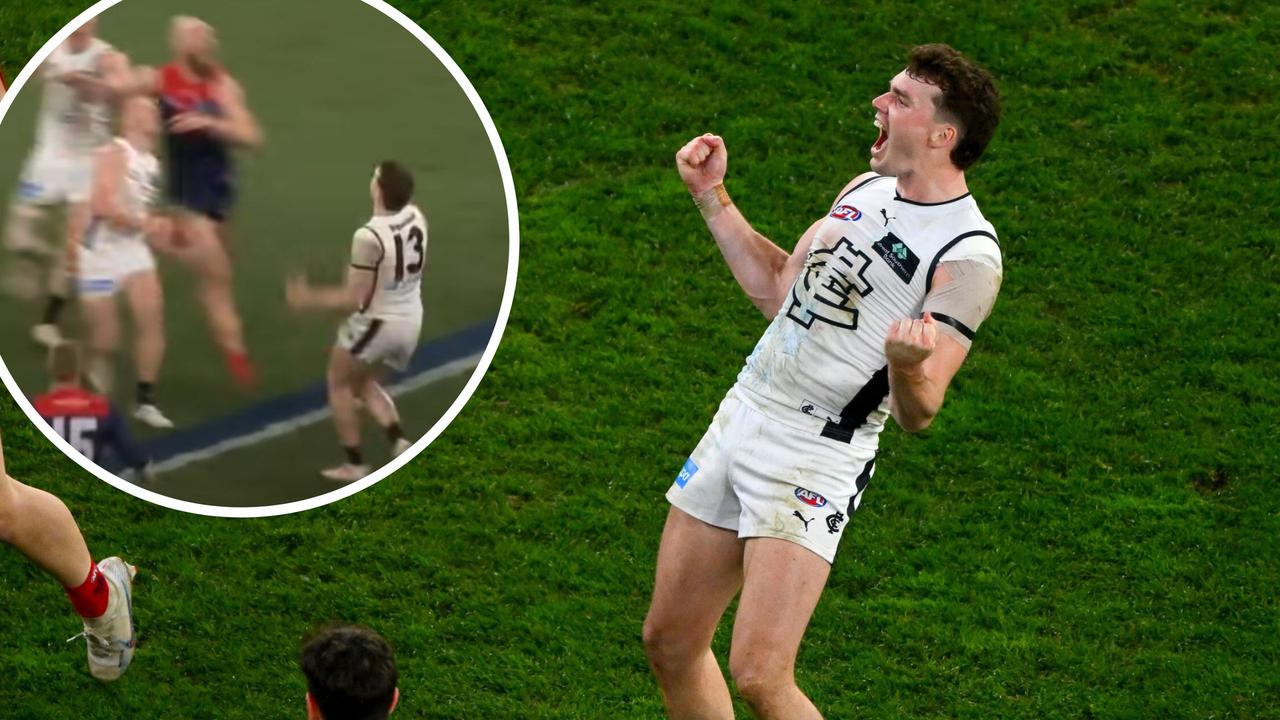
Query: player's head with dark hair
x=942, y=108
x=351, y=674
x=64, y=362
x=969, y=97
x=392, y=185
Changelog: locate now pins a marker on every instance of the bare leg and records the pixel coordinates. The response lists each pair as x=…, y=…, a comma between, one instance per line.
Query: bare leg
x=379, y=404
x=99, y=313
x=41, y=527
x=146, y=301
x=699, y=572
x=28, y=249
x=345, y=374
x=212, y=265
x=781, y=589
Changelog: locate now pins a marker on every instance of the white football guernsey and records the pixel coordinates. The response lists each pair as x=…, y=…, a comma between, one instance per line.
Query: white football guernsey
x=821, y=366
x=137, y=194
x=67, y=122
x=402, y=256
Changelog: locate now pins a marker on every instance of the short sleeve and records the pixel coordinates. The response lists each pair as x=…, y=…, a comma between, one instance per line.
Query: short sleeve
x=962, y=296
x=366, y=250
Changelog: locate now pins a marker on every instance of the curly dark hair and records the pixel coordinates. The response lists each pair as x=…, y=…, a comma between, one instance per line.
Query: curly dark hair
x=969, y=97
x=351, y=673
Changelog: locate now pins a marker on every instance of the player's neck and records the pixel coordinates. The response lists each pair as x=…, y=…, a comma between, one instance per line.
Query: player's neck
x=935, y=185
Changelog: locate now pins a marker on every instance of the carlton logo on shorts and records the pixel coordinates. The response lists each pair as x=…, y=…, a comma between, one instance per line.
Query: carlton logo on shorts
x=847, y=213
x=686, y=473
x=810, y=498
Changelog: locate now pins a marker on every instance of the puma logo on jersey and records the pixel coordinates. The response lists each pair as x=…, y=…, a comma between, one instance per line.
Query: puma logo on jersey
x=829, y=287
x=885, y=213
x=899, y=257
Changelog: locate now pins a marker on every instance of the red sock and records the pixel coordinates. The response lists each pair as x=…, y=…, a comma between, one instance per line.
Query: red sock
x=241, y=368
x=90, y=599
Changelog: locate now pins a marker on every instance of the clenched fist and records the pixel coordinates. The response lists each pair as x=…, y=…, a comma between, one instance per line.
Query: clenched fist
x=702, y=163
x=909, y=342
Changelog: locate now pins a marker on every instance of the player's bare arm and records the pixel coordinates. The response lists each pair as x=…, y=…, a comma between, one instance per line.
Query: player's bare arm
x=236, y=125
x=354, y=295
x=763, y=270
x=924, y=354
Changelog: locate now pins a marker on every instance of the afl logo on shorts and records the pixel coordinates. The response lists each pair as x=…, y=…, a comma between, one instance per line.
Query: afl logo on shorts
x=847, y=213
x=810, y=498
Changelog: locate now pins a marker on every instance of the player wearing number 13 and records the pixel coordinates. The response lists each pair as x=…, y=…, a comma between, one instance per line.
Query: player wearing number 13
x=871, y=315
x=383, y=293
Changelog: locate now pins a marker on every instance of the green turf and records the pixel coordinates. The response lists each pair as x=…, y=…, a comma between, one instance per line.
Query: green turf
x=331, y=106
x=1087, y=531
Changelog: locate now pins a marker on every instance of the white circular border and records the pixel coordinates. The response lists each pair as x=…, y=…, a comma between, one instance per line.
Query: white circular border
x=508, y=295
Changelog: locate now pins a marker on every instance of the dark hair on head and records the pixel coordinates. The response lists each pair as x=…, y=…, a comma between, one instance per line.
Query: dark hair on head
x=351, y=673
x=396, y=183
x=969, y=97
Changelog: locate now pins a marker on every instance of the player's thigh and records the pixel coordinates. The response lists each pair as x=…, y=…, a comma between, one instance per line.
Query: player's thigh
x=781, y=586
x=146, y=297
x=346, y=371
x=78, y=217
x=99, y=312
x=699, y=570
x=205, y=249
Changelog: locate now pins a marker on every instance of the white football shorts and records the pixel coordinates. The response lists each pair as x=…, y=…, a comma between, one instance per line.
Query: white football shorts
x=386, y=341
x=55, y=175
x=105, y=264
x=762, y=478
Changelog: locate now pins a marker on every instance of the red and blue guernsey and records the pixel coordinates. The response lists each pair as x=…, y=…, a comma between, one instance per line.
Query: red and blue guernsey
x=91, y=425
x=200, y=175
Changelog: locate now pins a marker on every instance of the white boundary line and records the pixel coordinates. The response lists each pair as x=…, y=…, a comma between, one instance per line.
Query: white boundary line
x=298, y=422
x=513, y=245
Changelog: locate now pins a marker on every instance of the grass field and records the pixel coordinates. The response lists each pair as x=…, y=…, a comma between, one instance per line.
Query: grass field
x=1087, y=531
x=331, y=105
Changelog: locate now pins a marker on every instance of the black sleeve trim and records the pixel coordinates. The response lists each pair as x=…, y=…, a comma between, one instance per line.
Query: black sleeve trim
x=928, y=279
x=965, y=330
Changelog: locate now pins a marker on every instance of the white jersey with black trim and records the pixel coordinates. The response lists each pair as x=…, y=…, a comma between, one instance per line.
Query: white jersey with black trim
x=821, y=363
x=397, y=262
x=137, y=195
x=67, y=122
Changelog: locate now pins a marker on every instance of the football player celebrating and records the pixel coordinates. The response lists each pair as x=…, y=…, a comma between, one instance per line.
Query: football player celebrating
x=383, y=293
x=871, y=316
x=83, y=80
x=116, y=257
x=39, y=526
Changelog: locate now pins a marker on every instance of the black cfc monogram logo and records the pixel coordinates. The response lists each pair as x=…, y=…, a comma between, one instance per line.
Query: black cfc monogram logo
x=833, y=522
x=834, y=280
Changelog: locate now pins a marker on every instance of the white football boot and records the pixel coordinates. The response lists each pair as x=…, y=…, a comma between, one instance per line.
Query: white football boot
x=112, y=637
x=400, y=447
x=345, y=473
x=150, y=415
x=46, y=335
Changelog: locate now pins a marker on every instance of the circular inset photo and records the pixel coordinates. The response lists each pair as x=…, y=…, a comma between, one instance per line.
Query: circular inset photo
x=255, y=256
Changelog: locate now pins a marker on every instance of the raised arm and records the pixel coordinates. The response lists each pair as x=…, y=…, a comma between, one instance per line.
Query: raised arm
x=763, y=270
x=925, y=354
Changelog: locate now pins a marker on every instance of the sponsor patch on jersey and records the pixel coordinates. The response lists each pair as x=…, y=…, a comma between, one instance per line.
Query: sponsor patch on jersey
x=848, y=213
x=898, y=255
x=810, y=498
x=686, y=473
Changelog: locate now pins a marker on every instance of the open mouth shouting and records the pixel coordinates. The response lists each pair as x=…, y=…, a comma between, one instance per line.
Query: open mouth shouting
x=877, y=148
